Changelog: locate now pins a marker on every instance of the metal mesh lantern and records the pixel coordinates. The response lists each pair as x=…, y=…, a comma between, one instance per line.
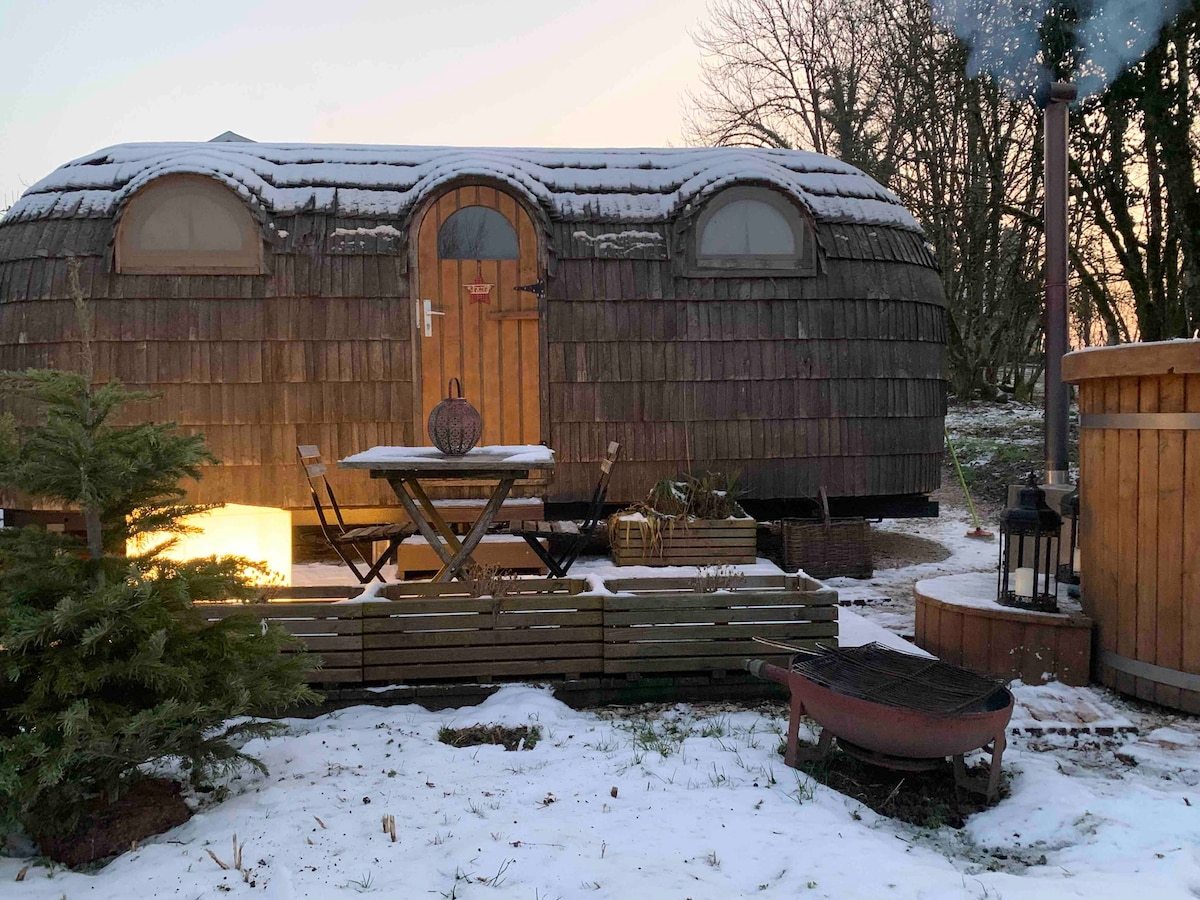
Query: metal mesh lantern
x=1029, y=537
x=454, y=424
x=1068, y=572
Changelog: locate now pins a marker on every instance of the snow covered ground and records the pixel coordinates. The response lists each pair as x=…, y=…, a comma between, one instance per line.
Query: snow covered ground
x=684, y=801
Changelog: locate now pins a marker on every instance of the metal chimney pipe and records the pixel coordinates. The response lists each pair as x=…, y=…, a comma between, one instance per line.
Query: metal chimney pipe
x=1057, y=102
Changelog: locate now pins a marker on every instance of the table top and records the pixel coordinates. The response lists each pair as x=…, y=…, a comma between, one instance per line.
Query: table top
x=431, y=461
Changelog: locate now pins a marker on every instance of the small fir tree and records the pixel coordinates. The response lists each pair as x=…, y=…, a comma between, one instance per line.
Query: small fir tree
x=105, y=664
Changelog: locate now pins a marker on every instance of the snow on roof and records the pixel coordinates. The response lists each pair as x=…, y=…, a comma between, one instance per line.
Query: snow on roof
x=627, y=185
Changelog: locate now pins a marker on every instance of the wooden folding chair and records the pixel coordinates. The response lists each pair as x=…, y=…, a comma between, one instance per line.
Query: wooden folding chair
x=341, y=538
x=582, y=533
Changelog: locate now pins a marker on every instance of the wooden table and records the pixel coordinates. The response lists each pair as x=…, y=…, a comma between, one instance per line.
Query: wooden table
x=405, y=468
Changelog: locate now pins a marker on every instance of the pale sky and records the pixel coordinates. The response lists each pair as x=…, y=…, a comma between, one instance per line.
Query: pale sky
x=79, y=75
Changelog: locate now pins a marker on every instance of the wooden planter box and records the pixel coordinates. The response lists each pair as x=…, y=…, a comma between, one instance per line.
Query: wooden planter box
x=698, y=542
x=431, y=631
x=549, y=627
x=425, y=631
x=664, y=625
x=331, y=631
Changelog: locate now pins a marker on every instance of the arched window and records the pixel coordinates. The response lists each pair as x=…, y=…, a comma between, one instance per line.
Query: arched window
x=749, y=228
x=477, y=232
x=187, y=224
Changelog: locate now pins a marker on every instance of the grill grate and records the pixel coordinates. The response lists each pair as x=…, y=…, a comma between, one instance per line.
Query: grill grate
x=881, y=675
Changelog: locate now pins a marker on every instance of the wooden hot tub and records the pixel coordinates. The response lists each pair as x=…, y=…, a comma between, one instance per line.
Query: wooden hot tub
x=1139, y=449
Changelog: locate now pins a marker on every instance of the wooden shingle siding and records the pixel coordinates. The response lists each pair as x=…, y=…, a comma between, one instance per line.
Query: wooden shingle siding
x=833, y=379
x=314, y=353
x=859, y=242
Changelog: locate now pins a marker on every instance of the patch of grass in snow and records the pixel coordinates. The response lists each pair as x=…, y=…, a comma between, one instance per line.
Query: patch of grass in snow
x=664, y=737
x=607, y=745
x=806, y=788
x=460, y=877
x=362, y=885
x=499, y=878
x=522, y=737
x=997, y=445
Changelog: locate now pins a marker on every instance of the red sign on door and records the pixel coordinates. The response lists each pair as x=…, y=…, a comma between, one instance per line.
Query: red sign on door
x=479, y=290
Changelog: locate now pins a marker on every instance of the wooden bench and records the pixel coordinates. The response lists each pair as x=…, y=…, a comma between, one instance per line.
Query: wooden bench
x=415, y=557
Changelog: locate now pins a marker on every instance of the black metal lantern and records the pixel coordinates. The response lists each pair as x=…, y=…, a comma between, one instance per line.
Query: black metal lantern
x=1029, y=548
x=1068, y=572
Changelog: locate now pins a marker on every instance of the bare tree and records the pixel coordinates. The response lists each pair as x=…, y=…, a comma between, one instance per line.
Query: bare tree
x=1136, y=153
x=875, y=83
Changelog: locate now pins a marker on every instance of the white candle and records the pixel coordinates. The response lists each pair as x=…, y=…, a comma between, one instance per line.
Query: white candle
x=1075, y=564
x=1024, y=583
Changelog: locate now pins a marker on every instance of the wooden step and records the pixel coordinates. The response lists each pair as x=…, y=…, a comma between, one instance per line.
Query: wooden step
x=508, y=552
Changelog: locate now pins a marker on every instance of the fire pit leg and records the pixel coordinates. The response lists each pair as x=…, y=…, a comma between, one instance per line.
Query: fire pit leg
x=991, y=787
x=794, y=754
x=999, y=742
x=791, y=755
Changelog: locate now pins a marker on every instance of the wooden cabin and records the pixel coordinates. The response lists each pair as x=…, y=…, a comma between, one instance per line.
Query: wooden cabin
x=773, y=312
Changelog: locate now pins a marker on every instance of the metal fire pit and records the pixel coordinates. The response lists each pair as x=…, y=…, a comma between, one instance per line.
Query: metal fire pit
x=894, y=709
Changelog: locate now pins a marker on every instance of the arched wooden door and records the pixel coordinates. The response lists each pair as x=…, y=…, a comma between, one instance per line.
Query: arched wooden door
x=473, y=237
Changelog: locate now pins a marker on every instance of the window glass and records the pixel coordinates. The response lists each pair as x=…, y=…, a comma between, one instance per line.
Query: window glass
x=747, y=228
x=183, y=224
x=191, y=223
x=476, y=232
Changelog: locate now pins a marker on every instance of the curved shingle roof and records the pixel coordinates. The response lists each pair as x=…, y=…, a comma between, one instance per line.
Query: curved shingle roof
x=623, y=185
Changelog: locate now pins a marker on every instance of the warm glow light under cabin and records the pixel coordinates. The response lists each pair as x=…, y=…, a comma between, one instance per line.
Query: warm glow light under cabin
x=258, y=533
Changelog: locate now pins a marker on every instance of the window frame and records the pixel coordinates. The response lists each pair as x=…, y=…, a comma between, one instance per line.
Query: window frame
x=130, y=260
x=802, y=262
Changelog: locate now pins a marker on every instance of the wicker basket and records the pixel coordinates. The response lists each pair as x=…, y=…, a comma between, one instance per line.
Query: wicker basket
x=828, y=548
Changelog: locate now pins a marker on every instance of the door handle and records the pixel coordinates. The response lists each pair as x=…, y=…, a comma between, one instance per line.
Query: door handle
x=425, y=314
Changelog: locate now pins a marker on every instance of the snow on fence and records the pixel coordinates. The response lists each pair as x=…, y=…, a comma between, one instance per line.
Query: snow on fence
x=547, y=627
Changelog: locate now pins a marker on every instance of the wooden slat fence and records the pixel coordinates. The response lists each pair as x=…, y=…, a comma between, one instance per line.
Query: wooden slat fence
x=550, y=628
x=664, y=625
x=429, y=631
x=332, y=631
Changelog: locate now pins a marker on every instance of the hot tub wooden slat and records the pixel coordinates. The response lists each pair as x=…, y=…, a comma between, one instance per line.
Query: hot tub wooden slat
x=1190, y=581
x=1170, y=537
x=1107, y=499
x=1121, y=569
x=1147, y=557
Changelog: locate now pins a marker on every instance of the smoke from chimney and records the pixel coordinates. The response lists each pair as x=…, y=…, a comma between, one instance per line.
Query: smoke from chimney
x=1026, y=44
